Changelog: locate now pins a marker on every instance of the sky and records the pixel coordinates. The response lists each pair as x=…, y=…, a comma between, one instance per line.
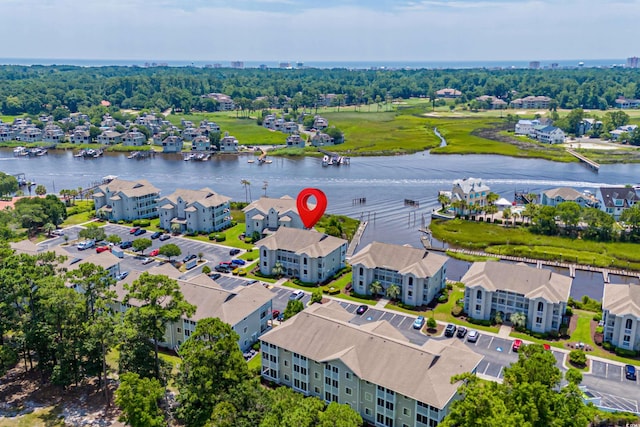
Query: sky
x=322, y=30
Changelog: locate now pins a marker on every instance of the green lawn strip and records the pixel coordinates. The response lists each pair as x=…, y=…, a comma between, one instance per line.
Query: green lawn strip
x=250, y=256
x=582, y=333
x=255, y=362
x=246, y=131
x=233, y=237
x=290, y=284
x=260, y=278
x=355, y=299
x=77, y=219
x=519, y=241
x=342, y=281
x=470, y=258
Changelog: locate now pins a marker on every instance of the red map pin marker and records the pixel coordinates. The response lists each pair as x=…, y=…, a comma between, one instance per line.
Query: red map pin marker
x=308, y=216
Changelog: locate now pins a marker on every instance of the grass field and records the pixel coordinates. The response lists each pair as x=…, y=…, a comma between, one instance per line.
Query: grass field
x=519, y=241
x=246, y=131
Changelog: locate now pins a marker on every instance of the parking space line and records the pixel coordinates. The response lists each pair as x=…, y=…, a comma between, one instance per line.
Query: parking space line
x=402, y=321
x=485, y=368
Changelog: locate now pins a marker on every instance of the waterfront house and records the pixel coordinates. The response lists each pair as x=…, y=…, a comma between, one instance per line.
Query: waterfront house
x=419, y=274
x=269, y=121
x=126, y=200
x=134, y=138
x=307, y=255
x=555, y=196
x=247, y=309
x=295, y=141
x=499, y=288
x=373, y=368
x=228, y=144
x=471, y=195
x=550, y=135
x=201, y=143
x=621, y=130
x=172, y=144
x=53, y=134
x=194, y=210
x=621, y=315
x=190, y=133
x=525, y=127
x=30, y=134
x=289, y=127
x=448, y=93
x=80, y=136
x=321, y=139
x=109, y=137
x=209, y=126
x=615, y=200
x=6, y=133
x=320, y=123
x=268, y=214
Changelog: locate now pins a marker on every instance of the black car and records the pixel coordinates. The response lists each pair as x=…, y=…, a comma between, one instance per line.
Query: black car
x=126, y=245
x=139, y=232
x=156, y=235
x=361, y=309
x=189, y=257
x=165, y=237
x=462, y=331
x=222, y=268
x=630, y=372
x=215, y=276
x=234, y=252
x=450, y=330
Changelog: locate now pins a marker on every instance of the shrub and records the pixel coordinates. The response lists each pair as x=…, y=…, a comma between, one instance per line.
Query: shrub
x=597, y=317
x=316, y=296
x=456, y=311
x=569, y=311
x=553, y=334
x=221, y=237
x=480, y=322
x=497, y=319
x=212, y=236
x=443, y=298
x=449, y=286
x=578, y=358
x=248, y=240
x=623, y=352
x=599, y=329
x=608, y=346
x=141, y=223
x=431, y=323
x=206, y=269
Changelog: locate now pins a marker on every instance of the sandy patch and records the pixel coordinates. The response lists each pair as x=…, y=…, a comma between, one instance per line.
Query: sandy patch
x=542, y=113
x=594, y=145
x=521, y=112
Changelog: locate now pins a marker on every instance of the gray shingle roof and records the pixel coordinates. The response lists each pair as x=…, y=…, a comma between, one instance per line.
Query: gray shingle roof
x=403, y=259
x=308, y=242
x=621, y=299
x=377, y=354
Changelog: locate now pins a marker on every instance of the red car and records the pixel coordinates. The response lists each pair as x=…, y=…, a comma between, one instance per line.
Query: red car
x=133, y=230
x=516, y=345
x=101, y=249
x=154, y=252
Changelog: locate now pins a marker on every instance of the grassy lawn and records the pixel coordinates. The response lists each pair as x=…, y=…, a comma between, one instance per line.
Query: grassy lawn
x=342, y=281
x=519, y=241
x=255, y=362
x=76, y=219
x=470, y=258
x=249, y=256
x=260, y=278
x=233, y=237
x=246, y=131
x=41, y=417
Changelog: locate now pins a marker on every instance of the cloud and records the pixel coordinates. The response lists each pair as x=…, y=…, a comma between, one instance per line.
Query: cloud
x=339, y=30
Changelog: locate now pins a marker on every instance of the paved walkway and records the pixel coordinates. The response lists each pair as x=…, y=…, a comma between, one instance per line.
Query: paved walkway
x=382, y=303
x=504, y=331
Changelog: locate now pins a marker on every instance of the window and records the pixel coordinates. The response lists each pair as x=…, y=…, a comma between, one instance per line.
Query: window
x=410, y=281
x=627, y=324
x=626, y=339
x=347, y=391
x=540, y=306
x=409, y=294
x=316, y=375
x=368, y=397
x=406, y=411
x=361, y=271
x=286, y=363
x=367, y=411
x=348, y=375
x=316, y=390
x=538, y=319
x=479, y=294
x=478, y=307
x=286, y=377
x=304, y=261
x=178, y=330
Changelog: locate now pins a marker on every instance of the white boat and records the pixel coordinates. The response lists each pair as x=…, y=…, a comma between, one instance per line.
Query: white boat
x=20, y=151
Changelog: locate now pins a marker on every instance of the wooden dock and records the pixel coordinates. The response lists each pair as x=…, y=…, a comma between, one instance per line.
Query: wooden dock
x=593, y=165
x=356, y=239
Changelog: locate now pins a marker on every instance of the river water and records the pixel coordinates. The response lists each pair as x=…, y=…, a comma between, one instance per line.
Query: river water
x=385, y=183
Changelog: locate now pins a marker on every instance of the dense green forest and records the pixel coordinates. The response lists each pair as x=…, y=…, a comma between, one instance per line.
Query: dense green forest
x=37, y=89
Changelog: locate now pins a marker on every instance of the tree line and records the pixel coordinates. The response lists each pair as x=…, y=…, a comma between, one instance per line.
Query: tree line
x=63, y=325
x=39, y=89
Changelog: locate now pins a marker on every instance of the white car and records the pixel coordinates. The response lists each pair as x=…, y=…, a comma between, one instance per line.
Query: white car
x=147, y=261
x=472, y=336
x=296, y=295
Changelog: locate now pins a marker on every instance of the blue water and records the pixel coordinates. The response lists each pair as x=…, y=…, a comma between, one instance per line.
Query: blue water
x=562, y=63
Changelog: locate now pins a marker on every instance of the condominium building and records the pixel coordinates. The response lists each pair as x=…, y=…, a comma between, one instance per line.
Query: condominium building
x=195, y=210
x=126, y=200
x=305, y=254
x=268, y=214
x=621, y=315
x=419, y=274
x=499, y=288
x=373, y=368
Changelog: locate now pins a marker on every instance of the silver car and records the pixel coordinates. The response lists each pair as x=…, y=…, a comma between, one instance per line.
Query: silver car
x=472, y=336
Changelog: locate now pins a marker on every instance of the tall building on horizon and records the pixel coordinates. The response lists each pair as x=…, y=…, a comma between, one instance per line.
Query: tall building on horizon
x=534, y=65
x=632, y=62
x=237, y=64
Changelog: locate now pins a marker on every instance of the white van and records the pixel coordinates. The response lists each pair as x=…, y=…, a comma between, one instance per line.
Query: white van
x=86, y=244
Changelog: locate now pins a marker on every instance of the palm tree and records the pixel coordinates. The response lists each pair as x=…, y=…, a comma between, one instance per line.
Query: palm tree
x=506, y=214
x=443, y=200
x=519, y=320
x=375, y=287
x=277, y=269
x=492, y=198
x=491, y=210
x=247, y=186
x=530, y=211
x=393, y=291
x=48, y=228
x=516, y=215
